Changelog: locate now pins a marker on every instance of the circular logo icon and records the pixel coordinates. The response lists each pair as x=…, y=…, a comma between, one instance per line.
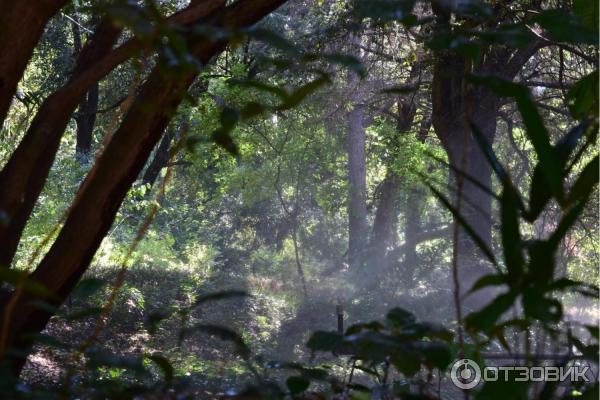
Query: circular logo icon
x=465, y=374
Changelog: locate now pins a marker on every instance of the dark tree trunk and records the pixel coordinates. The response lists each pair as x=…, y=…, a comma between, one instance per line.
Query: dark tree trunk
x=25, y=173
x=86, y=115
x=160, y=160
x=21, y=25
x=86, y=119
x=105, y=186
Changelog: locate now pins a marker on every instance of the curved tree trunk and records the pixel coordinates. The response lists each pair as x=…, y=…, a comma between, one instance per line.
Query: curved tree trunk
x=24, y=175
x=104, y=188
x=22, y=23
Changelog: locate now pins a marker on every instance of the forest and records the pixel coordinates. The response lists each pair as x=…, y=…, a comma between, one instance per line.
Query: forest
x=299, y=199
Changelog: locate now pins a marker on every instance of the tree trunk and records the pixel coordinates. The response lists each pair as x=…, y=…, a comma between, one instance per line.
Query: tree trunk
x=357, y=185
x=25, y=173
x=384, y=229
x=357, y=173
x=86, y=115
x=86, y=119
x=100, y=195
x=22, y=23
x=455, y=105
x=412, y=226
x=413, y=211
x=160, y=160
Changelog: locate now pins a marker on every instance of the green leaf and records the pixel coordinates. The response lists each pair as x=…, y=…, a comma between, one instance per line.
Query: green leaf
x=87, y=288
x=407, y=361
x=539, y=307
x=419, y=330
x=587, y=11
x=511, y=237
x=325, y=341
x=222, y=333
x=488, y=280
x=398, y=317
x=317, y=373
x=254, y=84
x=47, y=340
x=484, y=319
x=22, y=279
x=84, y=313
x=275, y=40
x=539, y=137
x=165, y=366
x=437, y=354
x=372, y=346
x=564, y=26
x=585, y=183
x=565, y=224
x=539, y=196
x=462, y=222
x=488, y=151
x=541, y=263
x=535, y=129
x=370, y=326
x=216, y=296
x=582, y=98
x=297, y=384
x=349, y=61
x=540, y=192
x=302, y=92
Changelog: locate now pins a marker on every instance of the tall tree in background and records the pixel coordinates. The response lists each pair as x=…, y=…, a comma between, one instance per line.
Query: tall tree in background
x=456, y=105
x=85, y=117
x=357, y=173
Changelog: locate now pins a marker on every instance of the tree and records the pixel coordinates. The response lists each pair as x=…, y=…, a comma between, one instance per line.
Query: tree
x=113, y=173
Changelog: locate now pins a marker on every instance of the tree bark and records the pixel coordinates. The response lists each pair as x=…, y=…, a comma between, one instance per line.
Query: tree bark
x=100, y=195
x=455, y=105
x=357, y=187
x=160, y=160
x=22, y=23
x=384, y=226
x=86, y=115
x=413, y=211
x=24, y=175
x=357, y=174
